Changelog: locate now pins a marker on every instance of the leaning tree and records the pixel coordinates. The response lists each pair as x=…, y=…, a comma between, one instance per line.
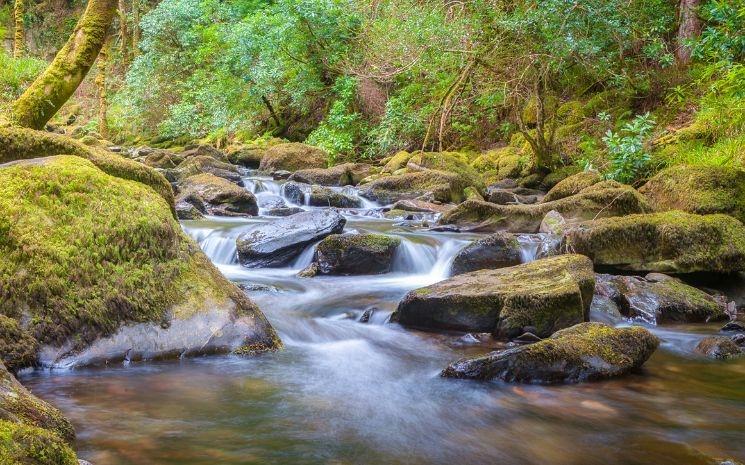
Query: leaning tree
x=56, y=84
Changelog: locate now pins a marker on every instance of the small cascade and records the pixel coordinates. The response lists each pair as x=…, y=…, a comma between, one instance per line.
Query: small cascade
x=220, y=250
x=414, y=258
x=445, y=256
x=536, y=246
x=304, y=260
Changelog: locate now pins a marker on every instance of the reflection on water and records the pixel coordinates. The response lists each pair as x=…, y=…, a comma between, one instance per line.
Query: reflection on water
x=344, y=392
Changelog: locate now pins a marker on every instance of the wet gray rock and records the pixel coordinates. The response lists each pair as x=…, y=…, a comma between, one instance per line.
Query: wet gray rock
x=585, y=352
x=355, y=254
x=498, y=250
x=270, y=201
x=277, y=243
x=213, y=195
x=318, y=196
x=734, y=326
x=662, y=301
x=718, y=347
x=285, y=211
x=190, y=211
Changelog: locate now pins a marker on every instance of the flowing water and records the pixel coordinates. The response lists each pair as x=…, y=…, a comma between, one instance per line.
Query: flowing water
x=346, y=392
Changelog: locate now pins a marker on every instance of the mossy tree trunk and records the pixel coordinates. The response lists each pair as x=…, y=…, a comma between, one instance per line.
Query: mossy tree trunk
x=101, y=81
x=19, y=33
x=58, y=82
x=123, y=32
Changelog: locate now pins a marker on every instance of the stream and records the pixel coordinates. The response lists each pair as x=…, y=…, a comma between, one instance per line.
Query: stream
x=347, y=392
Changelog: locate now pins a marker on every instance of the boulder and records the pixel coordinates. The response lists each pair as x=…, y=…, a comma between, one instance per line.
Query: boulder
x=216, y=196
x=204, y=150
x=598, y=201
x=555, y=177
x=552, y=223
x=659, y=301
x=158, y=158
x=420, y=206
x=538, y=297
x=668, y=242
x=96, y=269
x=246, y=156
x=318, y=196
x=203, y=164
x=187, y=211
x=573, y=185
x=277, y=243
x=499, y=250
x=293, y=157
x=502, y=196
x=347, y=174
x=585, y=352
x=448, y=162
x=284, y=211
x=355, y=254
x=395, y=162
x=718, y=347
x=437, y=185
x=698, y=189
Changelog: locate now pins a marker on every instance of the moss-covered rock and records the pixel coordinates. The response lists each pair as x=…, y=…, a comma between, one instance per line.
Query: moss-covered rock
x=318, y=196
x=18, y=405
x=498, y=250
x=396, y=162
x=293, y=157
x=355, y=254
x=573, y=185
x=585, y=352
x=27, y=445
x=25, y=144
x=246, y=156
x=214, y=195
x=18, y=348
x=540, y=297
x=698, y=189
x=718, y=347
x=598, y=201
x=448, y=162
x=204, y=164
x=96, y=268
x=501, y=163
x=438, y=185
x=558, y=175
x=347, y=174
x=675, y=242
x=659, y=301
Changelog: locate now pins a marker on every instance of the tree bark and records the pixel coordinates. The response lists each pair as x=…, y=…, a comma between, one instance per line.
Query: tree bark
x=19, y=35
x=689, y=28
x=123, y=32
x=101, y=80
x=50, y=91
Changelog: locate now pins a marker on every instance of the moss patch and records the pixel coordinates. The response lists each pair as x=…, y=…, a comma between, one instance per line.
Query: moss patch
x=573, y=185
x=293, y=157
x=28, y=445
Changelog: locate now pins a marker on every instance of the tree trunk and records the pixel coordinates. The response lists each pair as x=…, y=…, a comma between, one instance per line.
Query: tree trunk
x=123, y=32
x=19, y=36
x=58, y=82
x=690, y=28
x=101, y=78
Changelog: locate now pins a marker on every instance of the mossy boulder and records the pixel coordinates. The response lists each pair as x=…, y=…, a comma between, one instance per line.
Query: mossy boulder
x=355, y=254
x=598, y=201
x=667, y=242
x=499, y=250
x=18, y=405
x=347, y=174
x=96, y=269
x=420, y=206
x=698, y=189
x=396, y=162
x=585, y=352
x=448, y=162
x=558, y=175
x=429, y=184
x=204, y=164
x=293, y=157
x=719, y=347
x=25, y=144
x=659, y=301
x=573, y=185
x=213, y=195
x=501, y=163
x=318, y=196
x=27, y=445
x=540, y=297
x=18, y=347
x=246, y=156
x=158, y=158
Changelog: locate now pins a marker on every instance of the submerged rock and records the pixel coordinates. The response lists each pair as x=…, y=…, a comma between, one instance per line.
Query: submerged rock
x=718, y=347
x=498, y=250
x=109, y=256
x=659, y=301
x=355, y=254
x=279, y=242
x=669, y=242
x=293, y=157
x=598, y=201
x=698, y=189
x=215, y=196
x=539, y=297
x=585, y=352
x=347, y=174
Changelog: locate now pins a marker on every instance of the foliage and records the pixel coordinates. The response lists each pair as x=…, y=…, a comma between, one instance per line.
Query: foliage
x=723, y=39
x=15, y=75
x=628, y=154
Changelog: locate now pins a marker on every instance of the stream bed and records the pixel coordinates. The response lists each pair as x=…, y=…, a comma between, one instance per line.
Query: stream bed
x=346, y=392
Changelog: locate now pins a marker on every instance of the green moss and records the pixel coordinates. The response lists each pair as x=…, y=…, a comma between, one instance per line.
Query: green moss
x=573, y=185
x=25, y=144
x=672, y=241
x=18, y=348
x=554, y=177
x=374, y=242
x=396, y=162
x=293, y=157
x=445, y=187
x=28, y=445
x=448, y=162
x=698, y=189
x=85, y=252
